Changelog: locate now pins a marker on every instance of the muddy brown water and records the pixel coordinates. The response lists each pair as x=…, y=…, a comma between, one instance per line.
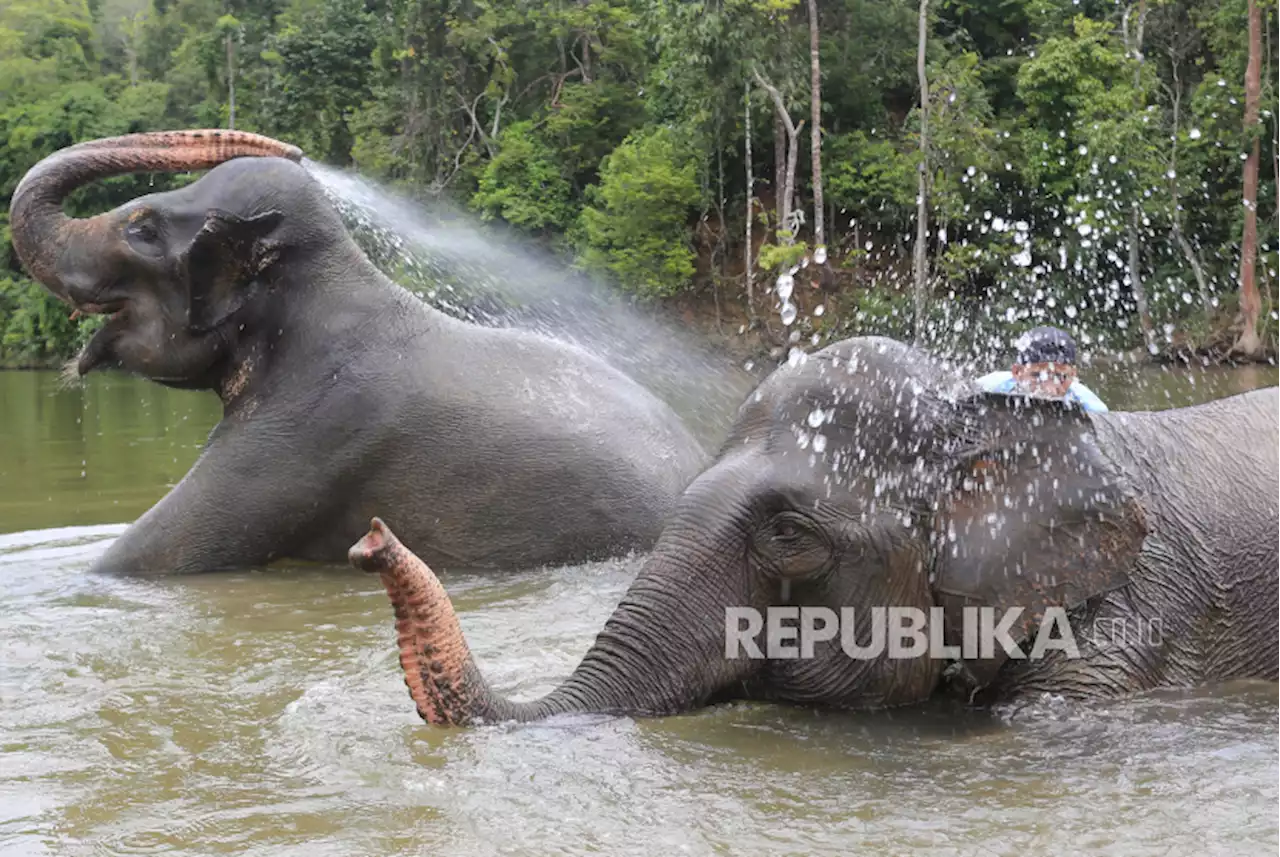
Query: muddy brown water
x=263, y=712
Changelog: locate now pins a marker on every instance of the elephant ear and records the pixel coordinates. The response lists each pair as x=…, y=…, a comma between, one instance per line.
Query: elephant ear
x=222, y=262
x=1033, y=515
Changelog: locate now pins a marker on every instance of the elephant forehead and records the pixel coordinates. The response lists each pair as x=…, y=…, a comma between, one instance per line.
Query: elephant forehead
x=855, y=458
x=245, y=186
x=841, y=403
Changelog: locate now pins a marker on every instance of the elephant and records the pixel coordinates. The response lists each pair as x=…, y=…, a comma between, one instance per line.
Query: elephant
x=868, y=475
x=342, y=393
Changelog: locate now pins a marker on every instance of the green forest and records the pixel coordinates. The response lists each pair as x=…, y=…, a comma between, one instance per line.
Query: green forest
x=1104, y=165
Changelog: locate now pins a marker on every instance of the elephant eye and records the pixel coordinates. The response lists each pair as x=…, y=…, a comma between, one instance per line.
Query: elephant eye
x=791, y=545
x=786, y=530
x=790, y=528
x=143, y=230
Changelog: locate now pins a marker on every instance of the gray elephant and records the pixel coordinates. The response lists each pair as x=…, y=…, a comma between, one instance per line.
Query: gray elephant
x=343, y=394
x=871, y=476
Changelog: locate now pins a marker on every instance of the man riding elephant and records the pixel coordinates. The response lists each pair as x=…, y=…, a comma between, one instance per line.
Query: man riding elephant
x=869, y=477
x=343, y=394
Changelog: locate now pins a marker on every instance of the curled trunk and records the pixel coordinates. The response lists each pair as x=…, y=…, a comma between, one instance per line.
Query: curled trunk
x=660, y=652
x=40, y=228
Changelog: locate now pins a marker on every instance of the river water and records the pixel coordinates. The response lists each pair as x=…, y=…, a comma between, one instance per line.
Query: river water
x=264, y=712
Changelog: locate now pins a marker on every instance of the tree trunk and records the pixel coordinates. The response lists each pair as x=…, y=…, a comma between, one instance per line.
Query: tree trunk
x=920, y=294
x=1188, y=252
x=751, y=181
x=1250, y=303
x=1135, y=279
x=231, y=81
x=792, y=132
x=1197, y=268
x=779, y=171
x=129, y=41
x=815, y=127
x=793, y=158
x=1268, y=74
x=722, y=235
x=1135, y=216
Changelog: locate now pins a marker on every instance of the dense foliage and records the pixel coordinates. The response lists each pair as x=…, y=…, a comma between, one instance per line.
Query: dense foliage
x=1062, y=135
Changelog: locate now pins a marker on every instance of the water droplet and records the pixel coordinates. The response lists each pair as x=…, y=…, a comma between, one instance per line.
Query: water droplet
x=788, y=313
x=785, y=286
x=1194, y=133
x=816, y=417
x=820, y=255
x=819, y=310
x=819, y=442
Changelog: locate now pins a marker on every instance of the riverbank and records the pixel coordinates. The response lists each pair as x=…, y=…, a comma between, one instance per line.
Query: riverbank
x=28, y=365
x=1202, y=339
x=720, y=319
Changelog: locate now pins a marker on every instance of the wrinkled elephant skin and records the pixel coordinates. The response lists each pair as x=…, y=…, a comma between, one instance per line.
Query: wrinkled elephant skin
x=343, y=394
x=870, y=476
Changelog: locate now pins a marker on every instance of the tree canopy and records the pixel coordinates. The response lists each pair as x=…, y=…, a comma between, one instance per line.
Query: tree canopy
x=1081, y=154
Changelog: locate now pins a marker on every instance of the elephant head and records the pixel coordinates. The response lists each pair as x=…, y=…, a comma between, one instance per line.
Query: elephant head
x=866, y=475
x=172, y=270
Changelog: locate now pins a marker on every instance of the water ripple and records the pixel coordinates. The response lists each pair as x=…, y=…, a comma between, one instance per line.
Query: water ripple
x=264, y=712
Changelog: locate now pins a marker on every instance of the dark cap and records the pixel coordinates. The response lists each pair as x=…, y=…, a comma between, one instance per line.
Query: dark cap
x=1046, y=345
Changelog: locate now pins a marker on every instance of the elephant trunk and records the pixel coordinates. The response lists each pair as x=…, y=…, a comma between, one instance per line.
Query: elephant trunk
x=41, y=231
x=661, y=651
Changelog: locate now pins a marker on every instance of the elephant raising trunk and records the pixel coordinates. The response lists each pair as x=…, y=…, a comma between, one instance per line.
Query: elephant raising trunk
x=42, y=233
x=343, y=393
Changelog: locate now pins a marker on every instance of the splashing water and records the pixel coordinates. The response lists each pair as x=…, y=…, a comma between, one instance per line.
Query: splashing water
x=483, y=276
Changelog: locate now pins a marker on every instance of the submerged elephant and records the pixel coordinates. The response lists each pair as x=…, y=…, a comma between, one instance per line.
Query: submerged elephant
x=869, y=475
x=343, y=394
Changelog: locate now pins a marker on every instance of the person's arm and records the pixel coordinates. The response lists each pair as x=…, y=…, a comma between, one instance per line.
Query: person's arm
x=1087, y=399
x=997, y=382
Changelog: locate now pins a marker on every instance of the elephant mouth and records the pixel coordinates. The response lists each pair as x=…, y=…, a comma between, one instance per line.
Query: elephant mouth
x=109, y=308
x=97, y=350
